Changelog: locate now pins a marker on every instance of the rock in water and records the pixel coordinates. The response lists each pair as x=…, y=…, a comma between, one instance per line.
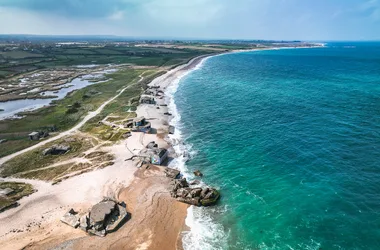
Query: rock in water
x=198, y=173
x=194, y=182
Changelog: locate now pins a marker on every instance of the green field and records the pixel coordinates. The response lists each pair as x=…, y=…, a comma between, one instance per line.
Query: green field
x=20, y=61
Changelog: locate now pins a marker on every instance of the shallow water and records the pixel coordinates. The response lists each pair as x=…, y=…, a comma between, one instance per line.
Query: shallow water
x=291, y=138
x=11, y=108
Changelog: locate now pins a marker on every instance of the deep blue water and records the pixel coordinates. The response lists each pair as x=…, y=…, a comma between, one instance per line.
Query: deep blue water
x=292, y=140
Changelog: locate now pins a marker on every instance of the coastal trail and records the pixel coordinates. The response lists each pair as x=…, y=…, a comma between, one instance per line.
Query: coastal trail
x=89, y=116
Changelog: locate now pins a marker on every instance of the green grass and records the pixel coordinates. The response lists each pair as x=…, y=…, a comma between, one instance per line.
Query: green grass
x=75, y=55
x=20, y=190
x=18, y=54
x=34, y=159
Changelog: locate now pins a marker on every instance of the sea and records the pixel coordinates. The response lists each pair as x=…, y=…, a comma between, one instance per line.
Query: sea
x=291, y=138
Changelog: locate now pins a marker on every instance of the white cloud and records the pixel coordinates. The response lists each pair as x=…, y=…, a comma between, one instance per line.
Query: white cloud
x=117, y=15
x=37, y=23
x=247, y=19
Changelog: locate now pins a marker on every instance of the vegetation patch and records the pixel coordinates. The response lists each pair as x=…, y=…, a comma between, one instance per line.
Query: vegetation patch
x=36, y=159
x=19, y=190
x=47, y=174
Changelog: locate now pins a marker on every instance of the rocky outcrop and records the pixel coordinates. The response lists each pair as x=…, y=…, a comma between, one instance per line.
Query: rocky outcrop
x=198, y=196
x=172, y=173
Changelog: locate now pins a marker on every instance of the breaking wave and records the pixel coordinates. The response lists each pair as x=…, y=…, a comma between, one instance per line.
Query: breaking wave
x=204, y=232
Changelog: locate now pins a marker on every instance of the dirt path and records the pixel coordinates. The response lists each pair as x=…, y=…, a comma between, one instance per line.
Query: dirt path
x=89, y=116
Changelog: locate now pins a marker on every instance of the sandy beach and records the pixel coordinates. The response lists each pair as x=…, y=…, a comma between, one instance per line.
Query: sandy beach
x=156, y=222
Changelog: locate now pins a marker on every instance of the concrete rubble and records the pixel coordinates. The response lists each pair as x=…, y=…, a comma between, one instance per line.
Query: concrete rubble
x=71, y=218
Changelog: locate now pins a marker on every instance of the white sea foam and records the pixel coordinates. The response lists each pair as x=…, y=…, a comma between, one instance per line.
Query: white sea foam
x=205, y=233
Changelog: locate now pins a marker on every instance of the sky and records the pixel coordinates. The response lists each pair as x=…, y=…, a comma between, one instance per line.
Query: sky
x=308, y=20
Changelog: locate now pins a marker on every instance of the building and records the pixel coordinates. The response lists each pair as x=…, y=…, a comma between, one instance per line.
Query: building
x=147, y=99
x=34, y=136
x=156, y=156
x=141, y=125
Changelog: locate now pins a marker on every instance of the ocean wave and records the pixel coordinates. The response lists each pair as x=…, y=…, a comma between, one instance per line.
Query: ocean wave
x=205, y=233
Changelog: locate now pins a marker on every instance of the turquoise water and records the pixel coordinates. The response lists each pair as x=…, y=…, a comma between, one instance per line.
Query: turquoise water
x=292, y=139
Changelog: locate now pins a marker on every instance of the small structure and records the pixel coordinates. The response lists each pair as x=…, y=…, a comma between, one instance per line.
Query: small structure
x=99, y=214
x=155, y=155
x=34, y=136
x=159, y=156
x=141, y=125
x=147, y=99
x=6, y=191
x=105, y=217
x=57, y=150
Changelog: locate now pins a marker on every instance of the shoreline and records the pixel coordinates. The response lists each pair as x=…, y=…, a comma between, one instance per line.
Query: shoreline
x=122, y=180
x=158, y=220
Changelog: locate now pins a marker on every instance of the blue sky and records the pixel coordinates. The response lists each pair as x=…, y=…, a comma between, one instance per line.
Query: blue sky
x=230, y=19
